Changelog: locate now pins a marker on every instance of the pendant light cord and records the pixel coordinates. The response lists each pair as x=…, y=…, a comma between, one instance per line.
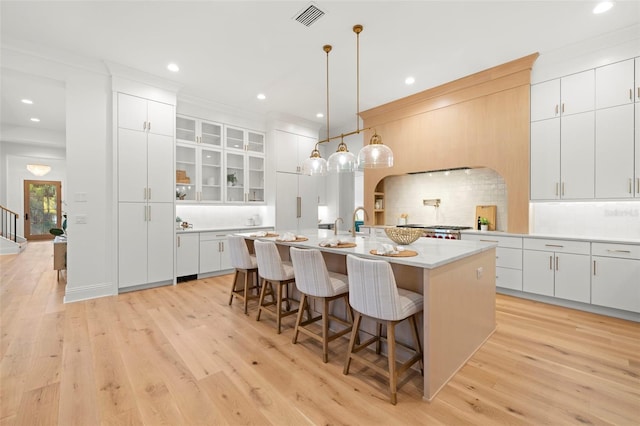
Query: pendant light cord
x=357, y=29
x=327, y=48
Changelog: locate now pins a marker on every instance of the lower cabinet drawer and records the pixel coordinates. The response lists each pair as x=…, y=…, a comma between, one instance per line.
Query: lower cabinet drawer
x=509, y=258
x=509, y=278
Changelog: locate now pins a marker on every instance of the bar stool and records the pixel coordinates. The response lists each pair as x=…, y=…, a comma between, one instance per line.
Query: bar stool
x=274, y=271
x=313, y=280
x=246, y=264
x=373, y=293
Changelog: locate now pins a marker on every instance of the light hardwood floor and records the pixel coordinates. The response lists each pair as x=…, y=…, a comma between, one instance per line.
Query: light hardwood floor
x=180, y=355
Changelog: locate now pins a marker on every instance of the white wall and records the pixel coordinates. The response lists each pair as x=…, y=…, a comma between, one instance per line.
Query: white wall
x=223, y=216
x=460, y=191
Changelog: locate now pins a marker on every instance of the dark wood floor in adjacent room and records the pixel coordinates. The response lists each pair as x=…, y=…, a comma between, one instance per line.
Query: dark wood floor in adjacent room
x=180, y=355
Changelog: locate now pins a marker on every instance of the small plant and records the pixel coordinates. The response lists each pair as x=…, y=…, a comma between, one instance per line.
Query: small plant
x=232, y=179
x=484, y=221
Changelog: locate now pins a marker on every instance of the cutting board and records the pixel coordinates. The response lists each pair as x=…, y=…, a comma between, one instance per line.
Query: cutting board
x=489, y=212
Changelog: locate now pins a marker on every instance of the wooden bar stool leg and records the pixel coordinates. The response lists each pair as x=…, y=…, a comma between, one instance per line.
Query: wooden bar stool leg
x=233, y=287
x=391, y=348
x=352, y=341
x=379, y=342
x=246, y=291
x=416, y=338
x=303, y=302
x=325, y=330
x=279, y=307
x=263, y=292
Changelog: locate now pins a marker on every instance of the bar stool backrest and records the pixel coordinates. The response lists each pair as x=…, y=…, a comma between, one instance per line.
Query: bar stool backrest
x=269, y=261
x=312, y=277
x=239, y=253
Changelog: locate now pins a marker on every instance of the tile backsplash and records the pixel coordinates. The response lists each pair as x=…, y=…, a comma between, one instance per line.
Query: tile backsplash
x=459, y=191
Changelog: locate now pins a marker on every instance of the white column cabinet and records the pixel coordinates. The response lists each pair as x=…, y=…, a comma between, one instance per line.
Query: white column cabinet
x=637, y=150
x=145, y=176
x=187, y=254
x=636, y=90
x=614, y=157
x=615, y=84
x=296, y=202
x=557, y=268
x=292, y=151
x=615, y=280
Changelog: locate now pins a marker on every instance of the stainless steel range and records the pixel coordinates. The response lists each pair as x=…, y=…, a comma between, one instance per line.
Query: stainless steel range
x=446, y=232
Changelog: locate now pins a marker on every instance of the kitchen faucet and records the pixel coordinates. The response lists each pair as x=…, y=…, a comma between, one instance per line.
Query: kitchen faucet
x=335, y=225
x=366, y=216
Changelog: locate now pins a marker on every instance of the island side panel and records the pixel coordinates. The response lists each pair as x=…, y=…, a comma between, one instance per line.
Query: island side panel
x=459, y=316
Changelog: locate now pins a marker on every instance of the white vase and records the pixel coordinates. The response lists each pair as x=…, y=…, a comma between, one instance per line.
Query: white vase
x=484, y=227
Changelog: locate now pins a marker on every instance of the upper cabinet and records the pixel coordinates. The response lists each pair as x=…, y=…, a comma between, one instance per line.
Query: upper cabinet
x=292, y=151
x=244, y=165
x=193, y=130
x=614, y=84
x=145, y=115
x=564, y=96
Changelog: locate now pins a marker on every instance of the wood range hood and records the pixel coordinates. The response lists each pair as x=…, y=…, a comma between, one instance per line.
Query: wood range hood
x=481, y=120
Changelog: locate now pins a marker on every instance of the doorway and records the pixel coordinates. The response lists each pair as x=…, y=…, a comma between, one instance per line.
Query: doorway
x=42, y=207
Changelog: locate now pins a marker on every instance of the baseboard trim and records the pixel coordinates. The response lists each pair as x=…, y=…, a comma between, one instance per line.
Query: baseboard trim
x=93, y=291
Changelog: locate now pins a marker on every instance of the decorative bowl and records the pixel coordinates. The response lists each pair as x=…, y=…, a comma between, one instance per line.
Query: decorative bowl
x=403, y=236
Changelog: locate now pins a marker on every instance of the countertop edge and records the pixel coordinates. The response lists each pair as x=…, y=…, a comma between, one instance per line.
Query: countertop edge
x=553, y=237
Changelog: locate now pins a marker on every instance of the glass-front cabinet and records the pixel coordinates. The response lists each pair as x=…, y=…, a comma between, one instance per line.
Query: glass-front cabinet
x=244, y=166
x=235, y=172
x=194, y=130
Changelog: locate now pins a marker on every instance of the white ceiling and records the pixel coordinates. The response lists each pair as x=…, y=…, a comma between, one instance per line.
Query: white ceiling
x=229, y=51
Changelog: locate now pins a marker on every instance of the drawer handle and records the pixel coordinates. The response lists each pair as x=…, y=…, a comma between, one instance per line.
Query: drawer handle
x=489, y=241
x=553, y=245
x=619, y=251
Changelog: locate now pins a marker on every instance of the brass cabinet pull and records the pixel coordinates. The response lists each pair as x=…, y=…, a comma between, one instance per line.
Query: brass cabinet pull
x=563, y=108
x=554, y=245
x=149, y=213
x=557, y=185
x=149, y=193
x=178, y=241
x=298, y=207
x=594, y=268
x=638, y=186
x=563, y=189
x=557, y=107
x=557, y=262
x=631, y=94
x=551, y=262
x=630, y=186
x=619, y=251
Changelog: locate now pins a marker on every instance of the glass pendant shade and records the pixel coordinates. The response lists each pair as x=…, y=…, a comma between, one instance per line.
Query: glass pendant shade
x=376, y=155
x=315, y=165
x=341, y=161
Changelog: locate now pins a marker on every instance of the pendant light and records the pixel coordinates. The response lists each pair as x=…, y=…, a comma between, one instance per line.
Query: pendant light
x=315, y=165
x=376, y=154
x=341, y=161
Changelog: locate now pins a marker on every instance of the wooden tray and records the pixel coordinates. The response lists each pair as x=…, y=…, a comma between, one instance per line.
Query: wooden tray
x=269, y=235
x=341, y=245
x=403, y=253
x=297, y=240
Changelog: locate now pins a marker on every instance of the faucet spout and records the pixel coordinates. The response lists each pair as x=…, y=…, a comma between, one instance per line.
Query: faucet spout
x=355, y=212
x=335, y=225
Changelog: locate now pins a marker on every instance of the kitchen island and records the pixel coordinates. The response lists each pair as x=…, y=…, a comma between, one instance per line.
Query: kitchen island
x=456, y=278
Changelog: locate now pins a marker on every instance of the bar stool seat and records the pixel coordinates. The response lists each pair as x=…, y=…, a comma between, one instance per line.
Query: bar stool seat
x=274, y=272
x=373, y=293
x=246, y=264
x=313, y=280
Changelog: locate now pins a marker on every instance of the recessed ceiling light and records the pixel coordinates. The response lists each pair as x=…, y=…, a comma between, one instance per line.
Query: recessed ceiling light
x=35, y=120
x=602, y=7
x=261, y=96
x=320, y=115
x=27, y=101
x=409, y=80
x=173, y=67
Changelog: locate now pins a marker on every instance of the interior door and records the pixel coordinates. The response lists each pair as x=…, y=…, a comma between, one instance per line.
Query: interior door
x=42, y=207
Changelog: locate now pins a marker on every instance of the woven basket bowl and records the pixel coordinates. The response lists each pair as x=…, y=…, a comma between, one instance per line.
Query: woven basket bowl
x=403, y=236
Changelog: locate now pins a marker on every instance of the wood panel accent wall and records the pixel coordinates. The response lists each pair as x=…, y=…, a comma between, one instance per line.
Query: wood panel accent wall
x=481, y=120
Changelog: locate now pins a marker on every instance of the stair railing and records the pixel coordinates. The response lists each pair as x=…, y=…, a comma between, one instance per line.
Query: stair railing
x=8, y=223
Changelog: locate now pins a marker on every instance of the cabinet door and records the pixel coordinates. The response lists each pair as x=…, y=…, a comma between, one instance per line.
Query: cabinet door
x=572, y=277
x=160, y=224
x=537, y=272
x=614, y=84
x=255, y=178
x=615, y=283
x=225, y=258
x=577, y=156
x=305, y=146
x=132, y=112
x=186, y=129
x=545, y=100
x=160, y=118
x=308, y=193
x=234, y=172
x=234, y=138
x=637, y=149
x=255, y=142
x=509, y=278
x=545, y=159
x=286, y=201
x=132, y=165
x=187, y=254
x=132, y=244
x=160, y=177
x=286, y=152
x=614, y=152
x=209, y=256
x=211, y=182
x=186, y=173
x=577, y=93
x=637, y=80
x=211, y=134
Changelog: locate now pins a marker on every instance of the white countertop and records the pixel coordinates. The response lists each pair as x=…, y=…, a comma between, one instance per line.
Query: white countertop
x=635, y=241
x=223, y=229
x=432, y=253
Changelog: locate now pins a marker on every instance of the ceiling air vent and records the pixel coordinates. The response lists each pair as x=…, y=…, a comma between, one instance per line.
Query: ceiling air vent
x=309, y=15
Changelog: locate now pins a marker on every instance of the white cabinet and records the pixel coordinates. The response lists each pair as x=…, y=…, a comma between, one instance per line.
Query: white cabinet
x=201, y=176
x=614, y=155
x=615, y=282
x=292, y=150
x=197, y=131
x=562, y=157
x=637, y=149
x=637, y=80
x=213, y=254
x=568, y=95
x=558, y=268
x=614, y=84
x=508, y=259
x=145, y=179
x=145, y=243
x=244, y=166
x=296, y=201
x=187, y=257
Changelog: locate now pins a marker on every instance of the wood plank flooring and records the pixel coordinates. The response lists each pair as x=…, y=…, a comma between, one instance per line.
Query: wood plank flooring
x=179, y=355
